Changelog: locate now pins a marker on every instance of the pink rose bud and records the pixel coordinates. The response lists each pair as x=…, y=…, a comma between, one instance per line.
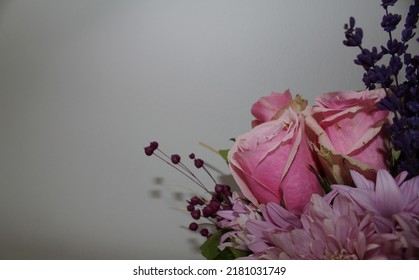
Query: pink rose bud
x=268, y=106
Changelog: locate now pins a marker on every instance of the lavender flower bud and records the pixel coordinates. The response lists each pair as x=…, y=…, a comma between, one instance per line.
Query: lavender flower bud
x=390, y=21
x=386, y=3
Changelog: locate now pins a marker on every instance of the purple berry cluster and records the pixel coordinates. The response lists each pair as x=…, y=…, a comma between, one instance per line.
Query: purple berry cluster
x=207, y=209
x=402, y=94
x=198, y=207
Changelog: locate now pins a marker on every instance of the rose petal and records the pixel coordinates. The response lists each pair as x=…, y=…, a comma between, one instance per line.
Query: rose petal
x=266, y=107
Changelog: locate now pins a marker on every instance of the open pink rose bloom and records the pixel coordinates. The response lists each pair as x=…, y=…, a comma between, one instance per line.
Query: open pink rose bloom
x=270, y=163
x=347, y=132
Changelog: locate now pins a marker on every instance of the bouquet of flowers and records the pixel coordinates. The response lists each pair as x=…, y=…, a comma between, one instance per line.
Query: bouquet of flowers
x=336, y=180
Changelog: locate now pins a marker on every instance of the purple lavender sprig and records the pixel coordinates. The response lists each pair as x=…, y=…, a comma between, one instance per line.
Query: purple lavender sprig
x=402, y=97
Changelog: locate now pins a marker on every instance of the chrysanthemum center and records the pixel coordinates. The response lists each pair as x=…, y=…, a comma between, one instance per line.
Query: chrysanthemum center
x=343, y=254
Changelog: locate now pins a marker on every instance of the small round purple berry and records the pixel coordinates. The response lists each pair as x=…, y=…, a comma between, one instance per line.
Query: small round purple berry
x=192, y=156
x=193, y=226
x=219, y=188
x=148, y=151
x=190, y=207
x=215, y=205
x=175, y=159
x=196, y=201
x=199, y=163
x=196, y=214
x=204, y=232
x=207, y=211
x=154, y=145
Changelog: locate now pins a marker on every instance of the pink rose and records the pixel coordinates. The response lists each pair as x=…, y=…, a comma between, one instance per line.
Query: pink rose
x=270, y=163
x=348, y=133
x=268, y=106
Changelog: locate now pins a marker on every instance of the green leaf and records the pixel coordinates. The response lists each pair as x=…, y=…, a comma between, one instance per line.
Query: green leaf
x=395, y=154
x=322, y=180
x=225, y=255
x=210, y=247
x=231, y=253
x=224, y=154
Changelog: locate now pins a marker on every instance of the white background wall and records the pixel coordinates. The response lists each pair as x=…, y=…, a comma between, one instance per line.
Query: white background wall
x=85, y=85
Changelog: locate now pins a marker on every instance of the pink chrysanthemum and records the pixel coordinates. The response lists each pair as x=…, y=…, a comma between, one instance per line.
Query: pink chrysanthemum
x=324, y=235
x=387, y=197
x=373, y=221
x=332, y=232
x=235, y=220
x=276, y=219
x=392, y=202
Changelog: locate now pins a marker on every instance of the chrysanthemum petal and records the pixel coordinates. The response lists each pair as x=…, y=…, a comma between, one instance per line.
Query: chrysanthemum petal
x=389, y=198
x=361, y=182
x=362, y=197
x=281, y=217
x=401, y=177
x=410, y=191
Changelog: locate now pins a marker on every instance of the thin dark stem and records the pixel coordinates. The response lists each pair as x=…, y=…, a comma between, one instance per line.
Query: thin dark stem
x=209, y=174
x=196, y=181
x=389, y=32
x=193, y=175
x=185, y=169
